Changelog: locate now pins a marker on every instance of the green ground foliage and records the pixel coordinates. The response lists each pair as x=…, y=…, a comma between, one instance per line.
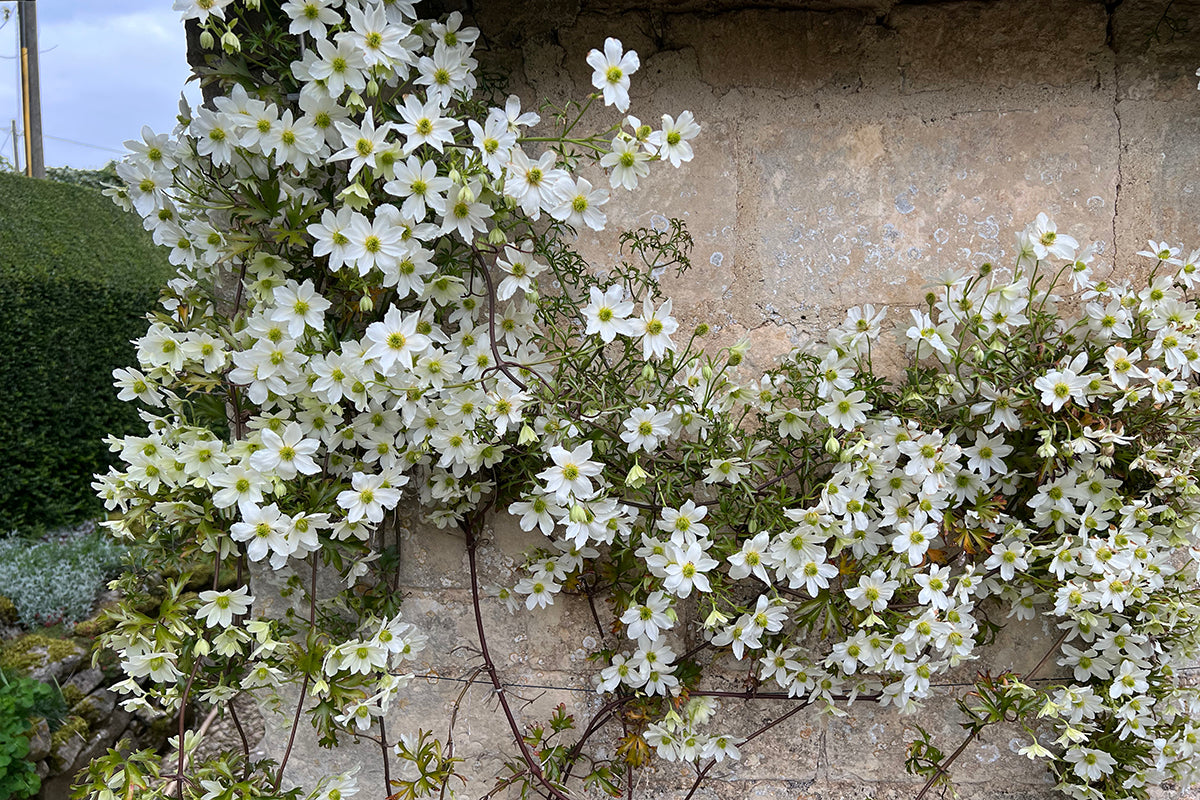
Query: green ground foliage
x=22, y=700
x=76, y=277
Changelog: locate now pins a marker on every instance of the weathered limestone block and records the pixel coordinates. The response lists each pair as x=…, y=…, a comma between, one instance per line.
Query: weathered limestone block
x=56, y=666
x=978, y=46
x=86, y=680
x=39, y=741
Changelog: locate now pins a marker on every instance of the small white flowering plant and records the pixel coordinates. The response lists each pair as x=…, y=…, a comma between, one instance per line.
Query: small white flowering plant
x=379, y=303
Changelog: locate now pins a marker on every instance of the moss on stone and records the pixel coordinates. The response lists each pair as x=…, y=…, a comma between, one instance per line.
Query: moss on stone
x=73, y=726
x=95, y=625
x=72, y=695
x=8, y=611
x=33, y=650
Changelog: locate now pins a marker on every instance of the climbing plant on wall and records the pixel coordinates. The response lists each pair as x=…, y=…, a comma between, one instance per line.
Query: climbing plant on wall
x=379, y=303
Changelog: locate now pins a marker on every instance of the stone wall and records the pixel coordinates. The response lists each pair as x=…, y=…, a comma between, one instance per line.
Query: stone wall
x=849, y=152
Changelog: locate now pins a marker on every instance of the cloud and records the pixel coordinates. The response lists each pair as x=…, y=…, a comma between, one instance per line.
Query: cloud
x=104, y=75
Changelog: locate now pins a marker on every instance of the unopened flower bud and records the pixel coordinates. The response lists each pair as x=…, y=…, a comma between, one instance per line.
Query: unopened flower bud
x=355, y=102
x=832, y=446
x=372, y=88
x=738, y=352
x=497, y=236
x=579, y=513
x=715, y=618
x=707, y=372
x=648, y=372
x=465, y=195
x=366, y=304
x=231, y=43
x=527, y=435
x=355, y=196
x=636, y=478
x=207, y=40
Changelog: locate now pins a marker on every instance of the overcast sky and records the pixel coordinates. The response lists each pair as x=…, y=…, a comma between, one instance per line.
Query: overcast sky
x=108, y=67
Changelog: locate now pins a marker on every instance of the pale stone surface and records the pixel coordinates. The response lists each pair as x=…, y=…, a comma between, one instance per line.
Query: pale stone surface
x=847, y=155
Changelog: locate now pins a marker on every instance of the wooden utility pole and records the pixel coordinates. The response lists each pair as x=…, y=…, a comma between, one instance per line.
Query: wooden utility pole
x=31, y=104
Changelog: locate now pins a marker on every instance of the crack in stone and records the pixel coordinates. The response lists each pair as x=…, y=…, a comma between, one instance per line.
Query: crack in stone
x=1110, y=40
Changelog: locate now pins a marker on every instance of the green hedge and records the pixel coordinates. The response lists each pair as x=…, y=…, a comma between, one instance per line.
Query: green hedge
x=77, y=276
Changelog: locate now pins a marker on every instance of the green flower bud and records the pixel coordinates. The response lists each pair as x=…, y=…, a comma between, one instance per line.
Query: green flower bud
x=702, y=329
x=496, y=236
x=206, y=39
x=832, y=446
x=527, y=435
x=355, y=196
x=636, y=478
x=231, y=43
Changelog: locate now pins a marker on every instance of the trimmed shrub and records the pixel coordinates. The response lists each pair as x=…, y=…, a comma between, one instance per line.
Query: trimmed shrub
x=77, y=275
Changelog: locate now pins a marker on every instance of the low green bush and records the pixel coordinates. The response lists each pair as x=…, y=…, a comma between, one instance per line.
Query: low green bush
x=77, y=276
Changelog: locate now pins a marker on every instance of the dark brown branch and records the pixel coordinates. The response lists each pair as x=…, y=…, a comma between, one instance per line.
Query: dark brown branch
x=491, y=295
x=597, y=722
x=943, y=768
x=237, y=723
x=312, y=622
x=467, y=684
x=778, y=720
x=387, y=762
x=531, y=763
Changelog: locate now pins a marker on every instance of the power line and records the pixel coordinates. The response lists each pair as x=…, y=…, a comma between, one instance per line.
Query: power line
x=84, y=144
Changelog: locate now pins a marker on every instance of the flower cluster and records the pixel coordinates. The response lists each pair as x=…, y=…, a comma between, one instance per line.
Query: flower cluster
x=1031, y=463
x=357, y=217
